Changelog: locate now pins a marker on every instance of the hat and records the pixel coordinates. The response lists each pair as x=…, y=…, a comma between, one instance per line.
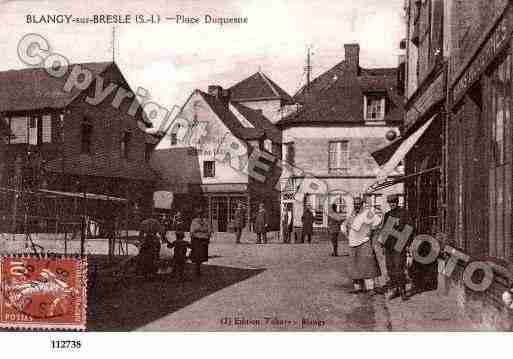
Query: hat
x=357, y=200
x=393, y=198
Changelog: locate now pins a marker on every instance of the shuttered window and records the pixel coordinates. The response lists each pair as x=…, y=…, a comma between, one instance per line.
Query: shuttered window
x=500, y=170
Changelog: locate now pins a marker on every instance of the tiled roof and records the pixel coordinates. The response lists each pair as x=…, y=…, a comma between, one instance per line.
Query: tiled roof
x=34, y=88
x=259, y=87
x=336, y=96
x=230, y=120
x=258, y=120
x=82, y=166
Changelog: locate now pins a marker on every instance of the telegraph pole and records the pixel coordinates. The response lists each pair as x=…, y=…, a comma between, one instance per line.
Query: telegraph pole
x=308, y=67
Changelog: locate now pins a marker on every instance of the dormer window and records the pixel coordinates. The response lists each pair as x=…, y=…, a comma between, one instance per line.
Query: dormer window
x=374, y=108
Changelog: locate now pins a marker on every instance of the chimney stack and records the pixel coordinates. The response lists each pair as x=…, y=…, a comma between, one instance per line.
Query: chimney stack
x=215, y=90
x=219, y=93
x=352, y=57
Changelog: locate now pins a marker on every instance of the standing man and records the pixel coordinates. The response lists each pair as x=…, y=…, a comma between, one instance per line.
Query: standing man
x=334, y=224
x=358, y=228
x=395, y=260
x=307, y=220
x=261, y=224
x=286, y=223
x=239, y=221
x=178, y=225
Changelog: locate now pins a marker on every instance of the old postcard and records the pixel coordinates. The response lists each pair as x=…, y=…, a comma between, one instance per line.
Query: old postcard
x=251, y=166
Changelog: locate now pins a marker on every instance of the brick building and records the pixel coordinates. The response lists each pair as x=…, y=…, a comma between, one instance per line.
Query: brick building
x=196, y=157
x=479, y=152
x=65, y=141
x=345, y=114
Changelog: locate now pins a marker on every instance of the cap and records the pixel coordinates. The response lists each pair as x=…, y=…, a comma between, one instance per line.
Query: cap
x=393, y=198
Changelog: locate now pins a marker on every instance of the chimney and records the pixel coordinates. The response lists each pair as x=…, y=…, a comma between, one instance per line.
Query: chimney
x=215, y=90
x=352, y=57
x=219, y=93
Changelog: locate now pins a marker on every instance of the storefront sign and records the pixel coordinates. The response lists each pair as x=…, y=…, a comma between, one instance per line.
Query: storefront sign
x=495, y=43
x=433, y=94
x=209, y=188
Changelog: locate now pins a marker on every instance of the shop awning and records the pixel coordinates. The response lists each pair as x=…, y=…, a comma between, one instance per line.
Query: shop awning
x=93, y=196
x=390, y=157
x=393, y=181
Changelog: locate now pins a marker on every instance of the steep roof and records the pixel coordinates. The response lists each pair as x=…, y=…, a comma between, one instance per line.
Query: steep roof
x=230, y=120
x=78, y=165
x=258, y=120
x=34, y=88
x=259, y=87
x=336, y=96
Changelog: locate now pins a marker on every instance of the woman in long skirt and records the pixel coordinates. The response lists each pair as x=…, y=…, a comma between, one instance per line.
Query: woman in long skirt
x=363, y=265
x=200, y=239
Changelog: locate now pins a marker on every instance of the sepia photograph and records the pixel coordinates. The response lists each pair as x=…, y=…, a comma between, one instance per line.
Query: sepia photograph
x=260, y=167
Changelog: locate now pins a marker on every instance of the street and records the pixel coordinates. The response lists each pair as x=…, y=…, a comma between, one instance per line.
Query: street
x=274, y=287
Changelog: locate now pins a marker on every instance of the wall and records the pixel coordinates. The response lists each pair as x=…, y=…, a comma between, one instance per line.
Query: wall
x=311, y=147
x=214, y=134
x=109, y=124
x=469, y=21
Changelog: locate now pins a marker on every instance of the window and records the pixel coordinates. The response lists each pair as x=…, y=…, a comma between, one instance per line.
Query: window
x=46, y=128
x=209, y=169
x=339, y=202
x=32, y=131
x=19, y=129
x=289, y=153
x=86, y=136
x=500, y=191
x=375, y=108
x=174, y=139
x=174, y=135
x=125, y=144
x=148, y=150
x=316, y=202
x=338, y=156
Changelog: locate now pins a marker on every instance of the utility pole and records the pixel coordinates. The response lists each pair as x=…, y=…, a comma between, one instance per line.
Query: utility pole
x=113, y=44
x=308, y=68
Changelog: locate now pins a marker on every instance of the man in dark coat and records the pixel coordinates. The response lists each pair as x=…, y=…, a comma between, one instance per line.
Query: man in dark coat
x=307, y=220
x=395, y=260
x=261, y=224
x=287, y=224
x=178, y=224
x=179, y=257
x=239, y=221
x=334, y=224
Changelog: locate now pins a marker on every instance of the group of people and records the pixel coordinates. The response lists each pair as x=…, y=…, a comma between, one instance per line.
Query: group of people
x=260, y=224
x=363, y=229
x=196, y=250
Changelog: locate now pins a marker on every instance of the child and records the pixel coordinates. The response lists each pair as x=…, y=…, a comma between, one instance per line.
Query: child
x=179, y=257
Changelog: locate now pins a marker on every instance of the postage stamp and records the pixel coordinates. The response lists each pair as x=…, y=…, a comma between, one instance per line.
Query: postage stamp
x=43, y=293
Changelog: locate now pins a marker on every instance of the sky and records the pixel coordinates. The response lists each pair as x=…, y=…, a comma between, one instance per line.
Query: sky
x=171, y=60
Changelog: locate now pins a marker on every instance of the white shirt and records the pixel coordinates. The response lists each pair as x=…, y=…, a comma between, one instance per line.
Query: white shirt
x=358, y=227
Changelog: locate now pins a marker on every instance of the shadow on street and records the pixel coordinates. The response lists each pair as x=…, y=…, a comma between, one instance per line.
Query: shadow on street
x=134, y=302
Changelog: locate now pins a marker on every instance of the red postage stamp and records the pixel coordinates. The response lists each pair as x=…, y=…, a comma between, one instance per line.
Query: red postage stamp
x=43, y=293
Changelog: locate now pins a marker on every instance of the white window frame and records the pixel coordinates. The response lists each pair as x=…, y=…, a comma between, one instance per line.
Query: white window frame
x=366, y=100
x=339, y=156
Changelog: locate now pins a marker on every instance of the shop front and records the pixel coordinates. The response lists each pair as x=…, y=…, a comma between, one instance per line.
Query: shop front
x=479, y=167
x=221, y=201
